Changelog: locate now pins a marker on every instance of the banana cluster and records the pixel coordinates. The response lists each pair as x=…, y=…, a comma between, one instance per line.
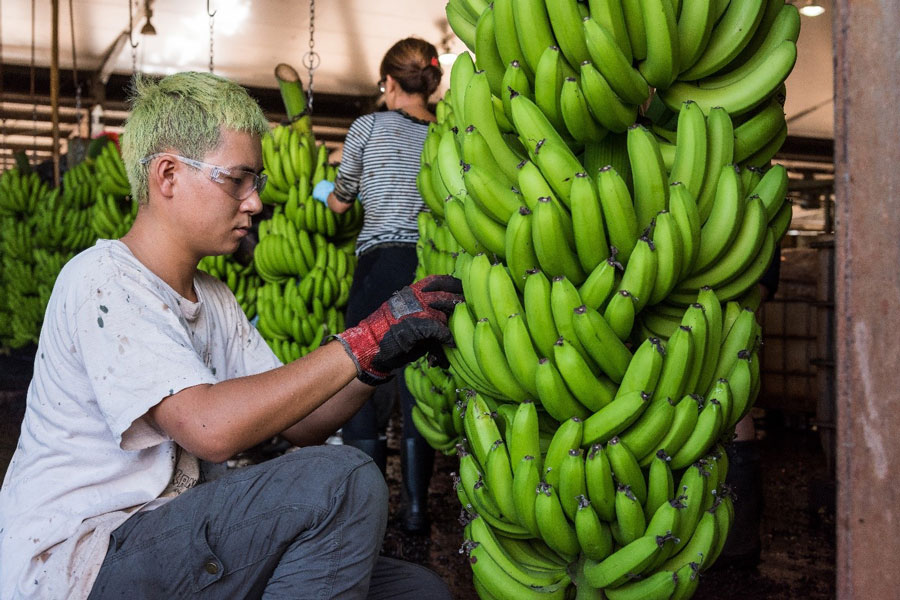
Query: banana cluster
x=591, y=67
x=110, y=171
x=242, y=280
x=294, y=163
x=437, y=413
x=605, y=171
x=21, y=309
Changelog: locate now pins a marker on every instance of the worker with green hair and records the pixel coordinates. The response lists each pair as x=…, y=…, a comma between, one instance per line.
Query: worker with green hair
x=148, y=372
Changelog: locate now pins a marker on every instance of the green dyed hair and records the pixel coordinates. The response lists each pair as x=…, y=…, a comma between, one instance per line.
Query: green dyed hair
x=183, y=113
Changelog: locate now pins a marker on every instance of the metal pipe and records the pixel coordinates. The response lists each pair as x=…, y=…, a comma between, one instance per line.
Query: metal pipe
x=54, y=86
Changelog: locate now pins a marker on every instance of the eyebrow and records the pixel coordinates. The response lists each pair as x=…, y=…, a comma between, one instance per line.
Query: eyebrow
x=248, y=168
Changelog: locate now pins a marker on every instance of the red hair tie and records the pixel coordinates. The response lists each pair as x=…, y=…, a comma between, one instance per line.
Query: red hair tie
x=434, y=61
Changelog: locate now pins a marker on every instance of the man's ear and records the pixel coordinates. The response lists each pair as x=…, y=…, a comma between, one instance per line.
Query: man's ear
x=162, y=175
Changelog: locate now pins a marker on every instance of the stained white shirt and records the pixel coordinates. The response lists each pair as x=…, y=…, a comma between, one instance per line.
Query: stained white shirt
x=116, y=340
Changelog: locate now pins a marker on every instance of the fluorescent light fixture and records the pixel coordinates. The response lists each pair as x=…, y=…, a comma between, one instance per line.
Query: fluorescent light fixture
x=810, y=9
x=447, y=58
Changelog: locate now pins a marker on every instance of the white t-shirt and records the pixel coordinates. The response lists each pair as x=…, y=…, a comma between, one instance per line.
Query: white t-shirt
x=115, y=341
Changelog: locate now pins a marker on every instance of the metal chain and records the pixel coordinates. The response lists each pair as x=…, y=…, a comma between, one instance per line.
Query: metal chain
x=311, y=59
x=212, y=16
x=131, y=40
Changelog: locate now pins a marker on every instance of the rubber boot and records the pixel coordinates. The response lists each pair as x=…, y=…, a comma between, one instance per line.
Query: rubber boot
x=377, y=449
x=742, y=549
x=416, y=465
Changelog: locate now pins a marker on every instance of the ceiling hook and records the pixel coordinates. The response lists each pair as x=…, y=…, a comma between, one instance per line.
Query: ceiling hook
x=210, y=14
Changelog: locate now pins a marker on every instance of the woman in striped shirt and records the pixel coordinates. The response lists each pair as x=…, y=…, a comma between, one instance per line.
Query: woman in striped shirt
x=378, y=168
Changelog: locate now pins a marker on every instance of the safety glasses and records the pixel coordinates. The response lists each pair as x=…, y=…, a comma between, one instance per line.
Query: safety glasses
x=237, y=183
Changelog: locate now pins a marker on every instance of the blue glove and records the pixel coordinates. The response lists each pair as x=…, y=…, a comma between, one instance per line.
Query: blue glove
x=322, y=190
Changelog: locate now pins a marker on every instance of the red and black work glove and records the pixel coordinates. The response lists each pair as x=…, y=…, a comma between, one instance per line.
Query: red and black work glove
x=411, y=323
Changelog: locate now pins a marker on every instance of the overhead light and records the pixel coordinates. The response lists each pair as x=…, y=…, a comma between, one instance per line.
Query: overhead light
x=811, y=9
x=447, y=58
x=148, y=28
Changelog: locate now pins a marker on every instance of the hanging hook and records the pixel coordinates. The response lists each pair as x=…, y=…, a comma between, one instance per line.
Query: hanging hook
x=211, y=14
x=131, y=26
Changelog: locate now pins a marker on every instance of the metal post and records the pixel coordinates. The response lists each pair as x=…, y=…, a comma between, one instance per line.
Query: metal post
x=54, y=86
x=867, y=286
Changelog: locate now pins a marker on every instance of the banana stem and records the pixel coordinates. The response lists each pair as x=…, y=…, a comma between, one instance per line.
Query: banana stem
x=291, y=88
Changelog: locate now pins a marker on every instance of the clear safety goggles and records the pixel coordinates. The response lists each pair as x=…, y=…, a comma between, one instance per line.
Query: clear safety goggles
x=237, y=183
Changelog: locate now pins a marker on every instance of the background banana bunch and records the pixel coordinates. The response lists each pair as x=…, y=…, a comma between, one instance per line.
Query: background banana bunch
x=604, y=172
x=303, y=263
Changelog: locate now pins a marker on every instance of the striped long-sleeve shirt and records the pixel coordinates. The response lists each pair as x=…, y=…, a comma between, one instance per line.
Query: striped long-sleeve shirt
x=379, y=165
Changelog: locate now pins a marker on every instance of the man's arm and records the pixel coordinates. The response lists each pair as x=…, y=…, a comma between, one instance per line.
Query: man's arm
x=215, y=422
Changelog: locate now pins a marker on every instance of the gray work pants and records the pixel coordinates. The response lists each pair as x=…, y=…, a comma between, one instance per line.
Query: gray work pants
x=308, y=524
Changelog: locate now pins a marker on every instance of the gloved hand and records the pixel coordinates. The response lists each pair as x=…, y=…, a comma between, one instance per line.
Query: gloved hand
x=322, y=190
x=409, y=324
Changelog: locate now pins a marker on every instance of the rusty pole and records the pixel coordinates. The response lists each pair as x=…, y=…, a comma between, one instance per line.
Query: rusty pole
x=867, y=185
x=54, y=86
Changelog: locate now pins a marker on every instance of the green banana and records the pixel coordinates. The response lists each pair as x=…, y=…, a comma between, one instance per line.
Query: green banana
x=729, y=36
x=487, y=55
x=724, y=220
x=630, y=520
x=601, y=343
x=498, y=476
x=701, y=439
x=785, y=26
x=591, y=391
x=690, y=149
x=601, y=282
x=610, y=15
x=526, y=478
x=532, y=26
x=634, y=23
x=551, y=246
x=496, y=199
x=504, y=297
x=568, y=435
x=520, y=255
x=576, y=115
x=647, y=432
x=488, y=352
x=670, y=260
x=594, y=536
x=565, y=19
x=538, y=312
x=626, y=562
x=772, y=189
x=479, y=110
x=606, y=107
x=619, y=214
x=719, y=152
x=620, y=313
x=548, y=82
x=739, y=254
x=507, y=38
x=615, y=417
x=644, y=369
x=742, y=95
x=658, y=586
x=600, y=485
x=695, y=25
x=572, y=484
x=613, y=63
x=760, y=128
x=556, y=531
x=660, y=493
x=553, y=393
x=660, y=67
x=651, y=188
x=587, y=223
x=520, y=354
x=502, y=585
x=683, y=423
x=626, y=469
